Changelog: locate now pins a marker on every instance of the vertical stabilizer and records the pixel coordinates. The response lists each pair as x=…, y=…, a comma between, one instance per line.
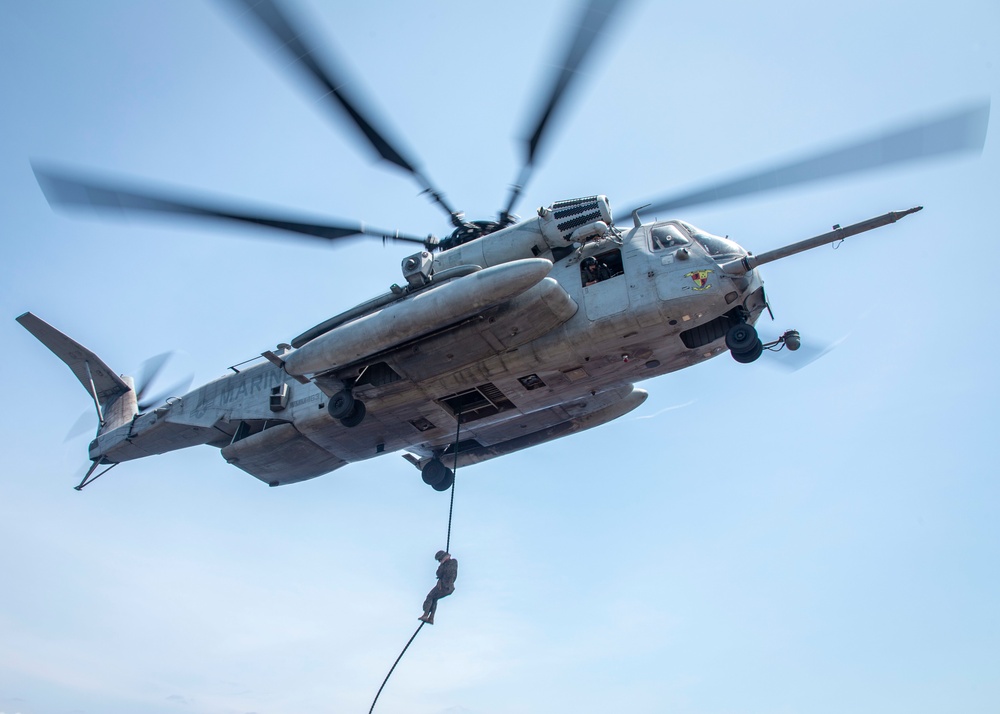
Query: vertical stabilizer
x=113, y=396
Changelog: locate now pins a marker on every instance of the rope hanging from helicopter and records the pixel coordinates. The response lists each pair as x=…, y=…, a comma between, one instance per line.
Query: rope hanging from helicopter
x=454, y=474
x=447, y=547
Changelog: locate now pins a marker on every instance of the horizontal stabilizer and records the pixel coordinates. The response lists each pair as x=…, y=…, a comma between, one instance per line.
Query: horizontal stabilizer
x=96, y=377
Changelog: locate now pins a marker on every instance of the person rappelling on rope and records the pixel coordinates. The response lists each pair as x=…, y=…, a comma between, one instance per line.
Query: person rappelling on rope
x=447, y=572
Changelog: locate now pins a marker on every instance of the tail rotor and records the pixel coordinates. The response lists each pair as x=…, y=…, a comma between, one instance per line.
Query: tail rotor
x=149, y=373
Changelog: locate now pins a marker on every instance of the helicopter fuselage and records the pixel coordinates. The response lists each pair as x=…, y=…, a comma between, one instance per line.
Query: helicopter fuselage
x=560, y=356
x=504, y=335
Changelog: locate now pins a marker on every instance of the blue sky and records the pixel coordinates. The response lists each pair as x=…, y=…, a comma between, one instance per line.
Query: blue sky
x=750, y=540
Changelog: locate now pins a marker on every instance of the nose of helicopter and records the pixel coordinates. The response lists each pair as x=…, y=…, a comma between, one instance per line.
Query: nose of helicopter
x=721, y=249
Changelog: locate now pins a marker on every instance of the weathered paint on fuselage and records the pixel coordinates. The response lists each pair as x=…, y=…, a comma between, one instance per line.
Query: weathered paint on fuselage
x=625, y=329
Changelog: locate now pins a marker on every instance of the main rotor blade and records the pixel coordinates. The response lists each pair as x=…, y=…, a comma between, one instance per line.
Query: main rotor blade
x=65, y=190
x=277, y=24
x=596, y=17
x=960, y=131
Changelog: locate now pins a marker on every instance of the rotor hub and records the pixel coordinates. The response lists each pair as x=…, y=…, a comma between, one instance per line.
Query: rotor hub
x=469, y=231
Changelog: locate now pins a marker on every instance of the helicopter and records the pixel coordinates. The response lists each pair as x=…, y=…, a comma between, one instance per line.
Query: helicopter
x=505, y=334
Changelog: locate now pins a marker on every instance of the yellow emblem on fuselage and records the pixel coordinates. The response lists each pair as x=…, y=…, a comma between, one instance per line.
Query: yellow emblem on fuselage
x=700, y=279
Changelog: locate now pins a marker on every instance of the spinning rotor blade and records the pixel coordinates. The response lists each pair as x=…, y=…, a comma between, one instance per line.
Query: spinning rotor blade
x=83, y=424
x=595, y=18
x=280, y=28
x=174, y=390
x=960, y=131
x=787, y=360
x=148, y=373
x=68, y=191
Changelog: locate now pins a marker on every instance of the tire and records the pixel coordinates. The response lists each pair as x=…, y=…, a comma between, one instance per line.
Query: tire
x=446, y=482
x=741, y=338
x=341, y=404
x=356, y=416
x=434, y=473
x=750, y=355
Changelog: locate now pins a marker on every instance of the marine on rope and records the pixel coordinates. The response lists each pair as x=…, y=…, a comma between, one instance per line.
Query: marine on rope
x=446, y=573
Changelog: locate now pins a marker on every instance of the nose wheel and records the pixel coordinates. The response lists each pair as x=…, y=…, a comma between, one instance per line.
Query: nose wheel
x=743, y=343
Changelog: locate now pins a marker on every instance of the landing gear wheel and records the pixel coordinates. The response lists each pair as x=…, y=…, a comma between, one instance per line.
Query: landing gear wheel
x=357, y=414
x=446, y=484
x=749, y=356
x=741, y=338
x=436, y=475
x=341, y=404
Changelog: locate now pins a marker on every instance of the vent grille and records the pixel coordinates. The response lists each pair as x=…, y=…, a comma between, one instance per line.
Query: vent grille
x=567, y=216
x=704, y=334
x=476, y=403
x=576, y=212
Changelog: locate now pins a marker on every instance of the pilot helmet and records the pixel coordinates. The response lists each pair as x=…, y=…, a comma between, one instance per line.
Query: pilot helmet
x=591, y=261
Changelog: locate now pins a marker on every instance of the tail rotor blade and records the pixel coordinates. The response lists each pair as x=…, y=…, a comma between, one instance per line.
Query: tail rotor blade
x=175, y=390
x=83, y=424
x=146, y=376
x=148, y=372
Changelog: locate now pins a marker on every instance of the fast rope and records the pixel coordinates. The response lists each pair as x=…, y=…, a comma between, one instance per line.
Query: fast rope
x=412, y=637
x=454, y=477
x=447, y=547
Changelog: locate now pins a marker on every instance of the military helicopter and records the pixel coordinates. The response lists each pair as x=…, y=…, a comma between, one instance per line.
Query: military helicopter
x=503, y=335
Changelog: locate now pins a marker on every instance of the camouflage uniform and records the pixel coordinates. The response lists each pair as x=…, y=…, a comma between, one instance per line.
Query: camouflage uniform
x=591, y=277
x=447, y=572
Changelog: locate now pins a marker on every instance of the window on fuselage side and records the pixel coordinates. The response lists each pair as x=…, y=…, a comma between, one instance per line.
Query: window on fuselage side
x=609, y=265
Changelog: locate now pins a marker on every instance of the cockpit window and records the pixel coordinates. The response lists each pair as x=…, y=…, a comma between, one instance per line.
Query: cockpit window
x=664, y=237
x=715, y=246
